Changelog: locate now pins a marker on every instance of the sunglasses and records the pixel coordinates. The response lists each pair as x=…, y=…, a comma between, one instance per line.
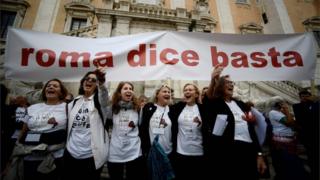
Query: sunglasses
x=230, y=82
x=90, y=79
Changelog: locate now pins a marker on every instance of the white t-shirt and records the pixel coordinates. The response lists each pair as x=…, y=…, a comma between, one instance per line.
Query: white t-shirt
x=39, y=114
x=160, y=123
x=79, y=144
x=279, y=129
x=21, y=112
x=241, y=131
x=125, y=142
x=37, y=120
x=189, y=140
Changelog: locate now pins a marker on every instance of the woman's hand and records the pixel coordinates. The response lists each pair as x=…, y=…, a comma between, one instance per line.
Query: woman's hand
x=262, y=167
x=53, y=121
x=217, y=71
x=249, y=117
x=101, y=73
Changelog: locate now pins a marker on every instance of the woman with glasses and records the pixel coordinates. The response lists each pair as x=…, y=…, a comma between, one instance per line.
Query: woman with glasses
x=87, y=141
x=230, y=142
x=125, y=145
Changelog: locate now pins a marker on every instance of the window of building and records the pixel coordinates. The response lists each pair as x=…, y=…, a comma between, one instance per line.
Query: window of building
x=317, y=36
x=312, y=24
x=242, y=1
x=7, y=19
x=265, y=18
x=78, y=23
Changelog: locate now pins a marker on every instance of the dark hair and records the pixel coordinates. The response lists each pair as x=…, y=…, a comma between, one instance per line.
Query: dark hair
x=219, y=88
x=63, y=90
x=81, y=90
x=116, y=98
x=304, y=92
x=277, y=105
x=4, y=93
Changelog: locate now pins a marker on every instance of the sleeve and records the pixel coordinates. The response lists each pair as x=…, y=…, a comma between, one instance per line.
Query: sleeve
x=103, y=95
x=277, y=116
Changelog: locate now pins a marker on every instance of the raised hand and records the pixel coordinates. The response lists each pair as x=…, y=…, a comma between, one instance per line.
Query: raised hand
x=217, y=71
x=101, y=73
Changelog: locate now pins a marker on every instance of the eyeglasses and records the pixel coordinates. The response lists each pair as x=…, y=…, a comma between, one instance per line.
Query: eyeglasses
x=90, y=79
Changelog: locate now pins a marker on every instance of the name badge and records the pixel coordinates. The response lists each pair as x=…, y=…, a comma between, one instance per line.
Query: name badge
x=33, y=137
x=158, y=130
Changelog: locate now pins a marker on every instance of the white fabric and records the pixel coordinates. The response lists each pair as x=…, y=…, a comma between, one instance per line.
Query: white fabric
x=37, y=120
x=79, y=144
x=165, y=138
x=21, y=112
x=99, y=136
x=35, y=56
x=125, y=144
x=241, y=131
x=39, y=114
x=189, y=140
x=279, y=129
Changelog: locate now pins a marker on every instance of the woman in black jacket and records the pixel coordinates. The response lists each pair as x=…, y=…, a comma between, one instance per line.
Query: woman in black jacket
x=187, y=135
x=230, y=142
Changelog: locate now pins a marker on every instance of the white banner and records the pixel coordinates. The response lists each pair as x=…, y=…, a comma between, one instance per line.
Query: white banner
x=38, y=56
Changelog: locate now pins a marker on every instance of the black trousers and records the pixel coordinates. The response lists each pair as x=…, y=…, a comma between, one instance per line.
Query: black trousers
x=131, y=170
x=83, y=169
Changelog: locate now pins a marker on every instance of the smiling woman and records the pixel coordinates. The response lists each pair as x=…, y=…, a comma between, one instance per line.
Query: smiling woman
x=125, y=145
x=46, y=123
x=88, y=141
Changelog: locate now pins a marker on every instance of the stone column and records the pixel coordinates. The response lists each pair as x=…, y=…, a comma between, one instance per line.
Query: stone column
x=46, y=15
x=104, y=26
x=122, y=26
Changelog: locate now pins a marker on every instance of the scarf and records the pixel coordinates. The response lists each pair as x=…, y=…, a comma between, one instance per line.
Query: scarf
x=125, y=105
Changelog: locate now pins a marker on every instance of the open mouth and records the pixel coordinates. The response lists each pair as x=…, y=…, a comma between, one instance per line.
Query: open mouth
x=187, y=96
x=166, y=97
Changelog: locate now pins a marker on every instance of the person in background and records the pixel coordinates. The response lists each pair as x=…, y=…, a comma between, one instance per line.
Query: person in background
x=45, y=123
x=125, y=155
x=7, y=126
x=142, y=100
x=187, y=135
x=69, y=98
x=285, y=160
x=87, y=141
x=307, y=117
x=230, y=142
x=203, y=93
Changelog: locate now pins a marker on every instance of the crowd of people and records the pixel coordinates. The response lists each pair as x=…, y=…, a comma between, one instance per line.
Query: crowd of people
x=203, y=136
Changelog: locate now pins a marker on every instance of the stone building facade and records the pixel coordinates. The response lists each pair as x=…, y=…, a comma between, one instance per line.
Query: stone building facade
x=108, y=18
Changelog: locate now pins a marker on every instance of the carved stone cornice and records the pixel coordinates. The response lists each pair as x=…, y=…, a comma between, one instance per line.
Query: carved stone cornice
x=312, y=23
x=90, y=31
x=251, y=28
x=13, y=5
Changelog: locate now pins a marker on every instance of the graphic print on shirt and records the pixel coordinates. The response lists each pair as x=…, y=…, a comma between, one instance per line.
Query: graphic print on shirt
x=81, y=120
x=20, y=114
x=41, y=121
x=158, y=123
x=125, y=123
x=190, y=123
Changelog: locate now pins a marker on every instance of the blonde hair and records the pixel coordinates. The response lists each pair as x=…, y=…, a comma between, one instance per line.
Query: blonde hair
x=158, y=89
